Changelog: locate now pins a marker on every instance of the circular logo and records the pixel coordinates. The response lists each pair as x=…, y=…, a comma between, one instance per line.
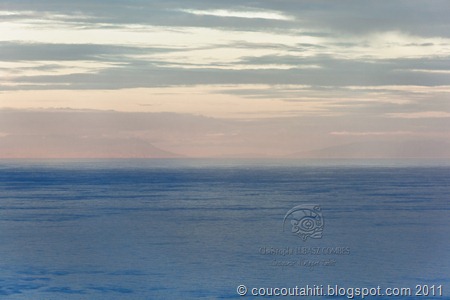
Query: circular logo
x=306, y=221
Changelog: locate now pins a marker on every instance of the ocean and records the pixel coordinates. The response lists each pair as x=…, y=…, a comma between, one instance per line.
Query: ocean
x=215, y=229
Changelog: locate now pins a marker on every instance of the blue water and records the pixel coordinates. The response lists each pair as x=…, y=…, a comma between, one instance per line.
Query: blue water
x=196, y=229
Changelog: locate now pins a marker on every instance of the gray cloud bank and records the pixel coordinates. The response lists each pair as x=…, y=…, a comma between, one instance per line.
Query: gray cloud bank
x=342, y=24
x=429, y=18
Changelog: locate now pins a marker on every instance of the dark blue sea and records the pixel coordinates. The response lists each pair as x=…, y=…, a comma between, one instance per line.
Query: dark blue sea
x=198, y=229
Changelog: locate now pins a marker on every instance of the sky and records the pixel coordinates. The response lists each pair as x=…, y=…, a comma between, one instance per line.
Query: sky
x=190, y=78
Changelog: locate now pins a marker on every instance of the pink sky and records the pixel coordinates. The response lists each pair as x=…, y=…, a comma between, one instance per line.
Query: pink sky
x=256, y=79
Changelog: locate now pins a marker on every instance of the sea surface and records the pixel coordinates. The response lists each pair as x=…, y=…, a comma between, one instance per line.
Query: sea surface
x=198, y=229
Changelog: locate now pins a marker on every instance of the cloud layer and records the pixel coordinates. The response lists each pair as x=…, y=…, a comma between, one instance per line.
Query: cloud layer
x=387, y=62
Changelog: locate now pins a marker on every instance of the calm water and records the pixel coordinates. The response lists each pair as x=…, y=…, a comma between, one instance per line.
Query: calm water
x=196, y=229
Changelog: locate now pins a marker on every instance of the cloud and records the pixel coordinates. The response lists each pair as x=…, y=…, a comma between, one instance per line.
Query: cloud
x=22, y=51
x=357, y=69
x=300, y=71
x=270, y=15
x=345, y=17
x=371, y=133
x=150, y=43
x=420, y=115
